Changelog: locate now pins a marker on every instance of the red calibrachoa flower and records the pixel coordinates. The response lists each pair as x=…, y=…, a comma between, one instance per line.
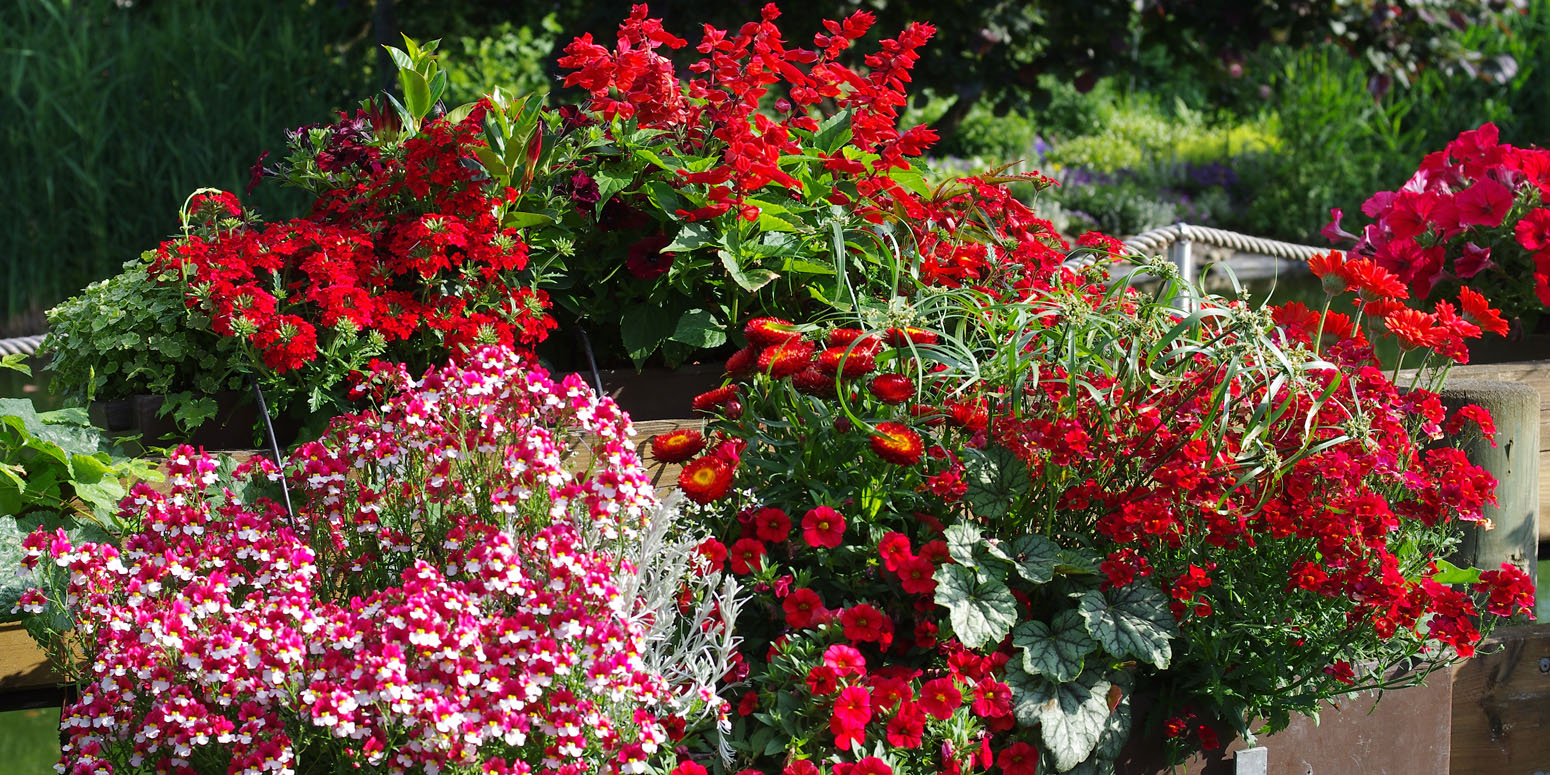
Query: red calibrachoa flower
x=803, y=608
x=1019, y=758
x=677, y=446
x=940, y=697
x=845, y=661
x=897, y=444
x=852, y=713
x=771, y=524
x=823, y=527
x=863, y=623
x=746, y=556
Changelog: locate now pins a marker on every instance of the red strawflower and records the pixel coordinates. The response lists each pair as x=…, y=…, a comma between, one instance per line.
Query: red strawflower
x=768, y=332
x=677, y=446
x=785, y=359
x=863, y=623
x=897, y=444
x=746, y=556
x=845, y=660
x=803, y=607
x=771, y=524
x=940, y=697
x=847, y=362
x=892, y=388
x=715, y=400
x=823, y=527
x=1019, y=758
x=901, y=337
x=1478, y=311
x=743, y=362
x=973, y=415
x=706, y=479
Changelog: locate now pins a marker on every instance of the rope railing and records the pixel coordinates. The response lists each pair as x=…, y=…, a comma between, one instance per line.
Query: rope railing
x=21, y=345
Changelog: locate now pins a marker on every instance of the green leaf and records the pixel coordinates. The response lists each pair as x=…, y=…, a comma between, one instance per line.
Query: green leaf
x=692, y=236
x=417, y=93
x=699, y=328
x=1071, y=715
x=995, y=479
x=1448, y=573
x=963, y=541
x=833, y=132
x=611, y=179
x=749, y=279
x=516, y=220
x=1133, y=621
x=982, y=613
x=643, y=327
x=1055, y=650
x=1074, y=563
x=1035, y=557
x=16, y=362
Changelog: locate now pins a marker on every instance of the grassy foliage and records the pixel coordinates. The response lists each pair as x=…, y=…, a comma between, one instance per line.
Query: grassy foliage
x=115, y=114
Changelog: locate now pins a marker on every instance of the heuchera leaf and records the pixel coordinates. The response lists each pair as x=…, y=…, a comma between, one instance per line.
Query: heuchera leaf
x=1035, y=557
x=981, y=612
x=1133, y=621
x=1071, y=715
x=995, y=479
x=1054, y=650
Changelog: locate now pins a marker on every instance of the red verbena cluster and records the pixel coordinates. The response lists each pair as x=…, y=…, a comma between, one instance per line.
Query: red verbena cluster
x=404, y=241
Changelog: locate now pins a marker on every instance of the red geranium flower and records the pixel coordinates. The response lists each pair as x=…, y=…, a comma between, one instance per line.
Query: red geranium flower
x=771, y=524
x=823, y=527
x=803, y=607
x=897, y=444
x=892, y=388
x=940, y=697
x=747, y=556
x=706, y=479
x=677, y=446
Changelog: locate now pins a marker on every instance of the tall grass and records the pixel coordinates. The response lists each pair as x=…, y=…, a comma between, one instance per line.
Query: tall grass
x=111, y=115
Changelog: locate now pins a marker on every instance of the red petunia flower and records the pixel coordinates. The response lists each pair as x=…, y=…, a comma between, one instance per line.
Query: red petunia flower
x=1533, y=232
x=897, y=444
x=785, y=359
x=940, y=697
x=870, y=765
x=715, y=552
x=771, y=524
x=677, y=446
x=852, y=712
x=800, y=767
x=646, y=260
x=746, y=556
x=892, y=388
x=706, y=479
x=823, y=527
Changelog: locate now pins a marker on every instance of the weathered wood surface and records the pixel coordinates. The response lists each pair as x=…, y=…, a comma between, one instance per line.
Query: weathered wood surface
x=1535, y=374
x=22, y=664
x=1501, y=706
x=662, y=475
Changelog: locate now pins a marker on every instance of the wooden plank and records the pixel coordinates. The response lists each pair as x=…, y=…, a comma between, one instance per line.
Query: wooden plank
x=22, y=664
x=1501, y=706
x=663, y=475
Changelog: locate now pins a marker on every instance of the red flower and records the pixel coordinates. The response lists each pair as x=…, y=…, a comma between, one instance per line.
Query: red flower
x=706, y=479
x=897, y=444
x=1208, y=739
x=813, y=382
x=1478, y=311
x=892, y=388
x=1019, y=758
x=863, y=623
x=803, y=606
x=1533, y=231
x=743, y=362
x=901, y=337
x=715, y=551
x=992, y=699
x=1341, y=671
x=747, y=556
x=845, y=660
x=800, y=767
x=768, y=332
x=823, y=527
x=771, y=524
x=646, y=260
x=970, y=415
x=1374, y=282
x=785, y=359
x=1483, y=204
x=907, y=726
x=847, y=362
x=1413, y=328
x=916, y=576
x=748, y=703
x=688, y=768
x=852, y=712
x=870, y=765
x=940, y=697
x=1329, y=268
x=822, y=680
x=677, y=446
x=715, y=400
x=1510, y=589
x=894, y=548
